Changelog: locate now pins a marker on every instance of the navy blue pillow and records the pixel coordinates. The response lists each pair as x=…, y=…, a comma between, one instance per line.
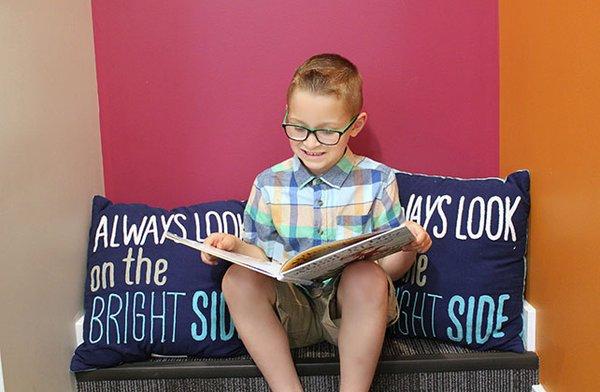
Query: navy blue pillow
x=468, y=288
x=147, y=295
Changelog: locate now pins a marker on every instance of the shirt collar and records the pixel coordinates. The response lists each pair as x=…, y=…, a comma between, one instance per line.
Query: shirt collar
x=334, y=177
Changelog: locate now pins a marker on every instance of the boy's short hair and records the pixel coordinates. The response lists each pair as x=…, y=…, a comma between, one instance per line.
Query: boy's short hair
x=330, y=74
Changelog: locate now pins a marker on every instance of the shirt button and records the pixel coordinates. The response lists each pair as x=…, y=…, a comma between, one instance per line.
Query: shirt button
x=317, y=181
x=319, y=202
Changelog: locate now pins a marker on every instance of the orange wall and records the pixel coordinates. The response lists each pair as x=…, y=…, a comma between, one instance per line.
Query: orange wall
x=550, y=123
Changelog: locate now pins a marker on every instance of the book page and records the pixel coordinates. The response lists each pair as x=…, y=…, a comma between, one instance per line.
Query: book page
x=258, y=265
x=372, y=248
x=321, y=250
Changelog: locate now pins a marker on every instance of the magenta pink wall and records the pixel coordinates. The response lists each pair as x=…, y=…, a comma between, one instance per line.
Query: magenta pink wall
x=192, y=92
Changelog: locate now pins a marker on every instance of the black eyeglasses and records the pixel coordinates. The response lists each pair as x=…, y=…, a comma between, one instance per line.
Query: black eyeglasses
x=328, y=137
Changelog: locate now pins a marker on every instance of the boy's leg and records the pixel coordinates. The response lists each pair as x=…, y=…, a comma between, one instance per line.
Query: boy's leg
x=362, y=300
x=251, y=298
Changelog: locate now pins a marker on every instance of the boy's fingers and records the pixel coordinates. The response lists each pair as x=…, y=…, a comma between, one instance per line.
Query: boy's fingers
x=410, y=247
x=213, y=239
x=424, y=247
x=220, y=241
x=211, y=262
x=227, y=243
x=419, y=245
x=208, y=259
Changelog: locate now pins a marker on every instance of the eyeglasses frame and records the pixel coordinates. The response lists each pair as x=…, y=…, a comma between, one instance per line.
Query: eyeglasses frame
x=314, y=130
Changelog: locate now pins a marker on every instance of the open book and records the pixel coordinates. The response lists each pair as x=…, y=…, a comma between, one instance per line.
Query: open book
x=318, y=262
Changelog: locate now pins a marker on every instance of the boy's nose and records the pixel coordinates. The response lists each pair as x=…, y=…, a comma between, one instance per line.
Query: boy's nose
x=311, y=141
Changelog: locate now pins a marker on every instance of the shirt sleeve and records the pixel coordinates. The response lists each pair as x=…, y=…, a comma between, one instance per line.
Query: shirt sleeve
x=387, y=211
x=259, y=229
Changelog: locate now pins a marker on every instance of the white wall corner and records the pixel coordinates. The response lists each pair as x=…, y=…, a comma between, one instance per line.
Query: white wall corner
x=1, y=374
x=537, y=388
x=529, y=326
x=78, y=329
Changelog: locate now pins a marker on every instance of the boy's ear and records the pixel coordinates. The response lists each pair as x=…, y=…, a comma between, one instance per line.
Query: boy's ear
x=359, y=124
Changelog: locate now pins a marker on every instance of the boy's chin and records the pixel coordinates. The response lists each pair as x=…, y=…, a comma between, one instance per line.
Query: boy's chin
x=315, y=168
x=318, y=165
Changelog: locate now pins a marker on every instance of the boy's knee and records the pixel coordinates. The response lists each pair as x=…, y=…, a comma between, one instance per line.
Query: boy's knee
x=242, y=283
x=364, y=280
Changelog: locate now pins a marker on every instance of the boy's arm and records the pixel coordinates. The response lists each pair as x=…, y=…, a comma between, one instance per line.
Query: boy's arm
x=259, y=228
x=389, y=213
x=258, y=231
x=398, y=263
x=231, y=243
x=252, y=250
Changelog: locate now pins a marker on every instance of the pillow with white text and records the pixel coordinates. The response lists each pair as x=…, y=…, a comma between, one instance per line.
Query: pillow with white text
x=468, y=288
x=147, y=295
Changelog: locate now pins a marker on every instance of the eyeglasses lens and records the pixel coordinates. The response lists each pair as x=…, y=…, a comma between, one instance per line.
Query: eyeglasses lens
x=323, y=136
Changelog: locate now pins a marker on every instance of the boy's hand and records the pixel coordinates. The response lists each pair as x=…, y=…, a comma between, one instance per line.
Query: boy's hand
x=222, y=241
x=422, y=241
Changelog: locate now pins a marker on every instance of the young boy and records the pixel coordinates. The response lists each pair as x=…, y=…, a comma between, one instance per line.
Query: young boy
x=323, y=193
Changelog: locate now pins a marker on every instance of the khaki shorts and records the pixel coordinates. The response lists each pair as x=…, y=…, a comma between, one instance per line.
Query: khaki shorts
x=310, y=316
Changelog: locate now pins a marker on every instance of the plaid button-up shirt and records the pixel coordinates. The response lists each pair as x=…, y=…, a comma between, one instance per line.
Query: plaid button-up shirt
x=290, y=210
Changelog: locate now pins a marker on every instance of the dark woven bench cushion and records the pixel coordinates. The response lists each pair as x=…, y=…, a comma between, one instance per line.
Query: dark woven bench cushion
x=417, y=356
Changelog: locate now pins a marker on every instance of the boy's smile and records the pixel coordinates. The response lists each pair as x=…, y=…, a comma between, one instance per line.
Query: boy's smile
x=323, y=112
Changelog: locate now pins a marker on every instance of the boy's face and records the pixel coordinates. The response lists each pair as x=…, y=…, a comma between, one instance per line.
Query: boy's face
x=321, y=111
